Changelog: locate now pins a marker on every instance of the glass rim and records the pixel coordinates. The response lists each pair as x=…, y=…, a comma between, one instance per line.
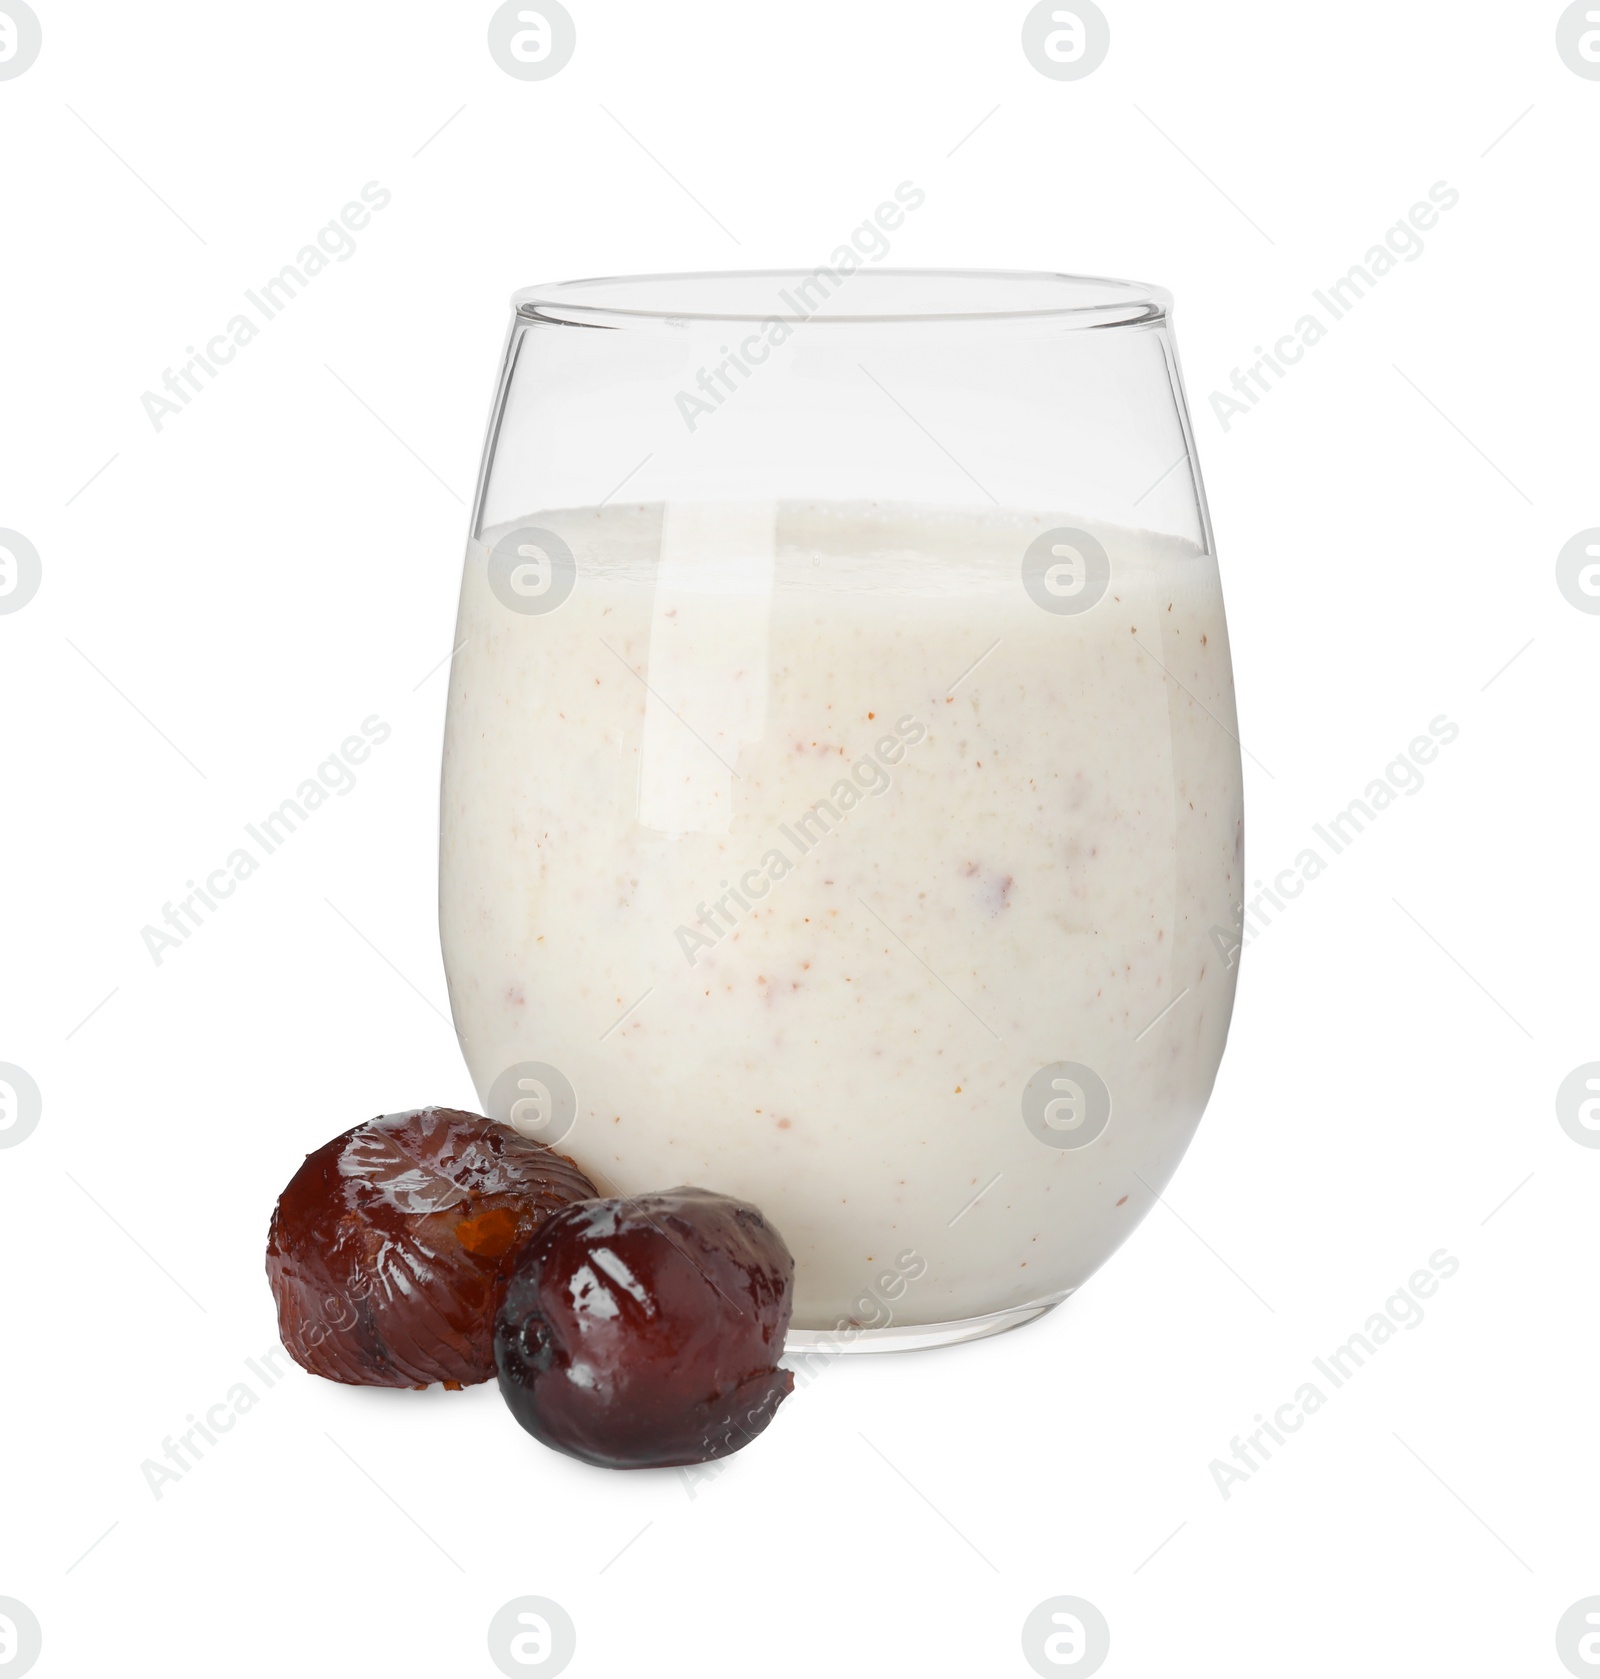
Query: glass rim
x=780, y=294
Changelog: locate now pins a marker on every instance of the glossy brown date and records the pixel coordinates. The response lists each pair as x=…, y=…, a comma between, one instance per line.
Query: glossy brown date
x=389, y=1249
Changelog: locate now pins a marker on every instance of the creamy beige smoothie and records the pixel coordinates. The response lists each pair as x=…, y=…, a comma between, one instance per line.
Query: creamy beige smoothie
x=819, y=850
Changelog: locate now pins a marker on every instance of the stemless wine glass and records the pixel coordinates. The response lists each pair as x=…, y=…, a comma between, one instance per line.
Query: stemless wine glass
x=841, y=800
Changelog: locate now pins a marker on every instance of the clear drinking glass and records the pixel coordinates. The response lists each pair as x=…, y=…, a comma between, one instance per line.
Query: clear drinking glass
x=841, y=799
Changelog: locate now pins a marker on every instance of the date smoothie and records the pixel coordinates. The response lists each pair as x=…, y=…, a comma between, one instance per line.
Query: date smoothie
x=861, y=862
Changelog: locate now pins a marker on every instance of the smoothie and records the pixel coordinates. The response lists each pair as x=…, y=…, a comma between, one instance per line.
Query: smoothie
x=862, y=862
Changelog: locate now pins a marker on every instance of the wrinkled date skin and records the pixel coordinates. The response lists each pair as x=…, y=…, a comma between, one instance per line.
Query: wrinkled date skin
x=389, y=1250
x=645, y=1331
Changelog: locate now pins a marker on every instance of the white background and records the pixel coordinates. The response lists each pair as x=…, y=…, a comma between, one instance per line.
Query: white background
x=231, y=595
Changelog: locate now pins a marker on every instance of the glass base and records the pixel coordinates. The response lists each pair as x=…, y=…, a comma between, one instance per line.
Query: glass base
x=918, y=1337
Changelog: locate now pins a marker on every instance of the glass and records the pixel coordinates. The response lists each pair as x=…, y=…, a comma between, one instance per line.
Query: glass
x=841, y=799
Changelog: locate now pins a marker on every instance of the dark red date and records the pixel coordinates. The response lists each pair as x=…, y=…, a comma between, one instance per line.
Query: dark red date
x=645, y=1331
